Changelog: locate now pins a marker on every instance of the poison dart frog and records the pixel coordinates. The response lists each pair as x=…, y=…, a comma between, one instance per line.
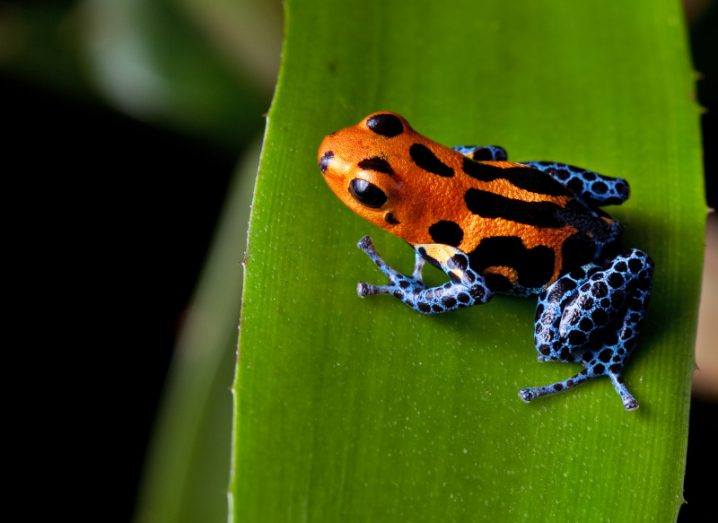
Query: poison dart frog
x=499, y=227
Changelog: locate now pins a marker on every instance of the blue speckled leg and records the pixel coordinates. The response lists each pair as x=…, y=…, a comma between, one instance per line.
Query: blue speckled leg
x=591, y=187
x=419, y=263
x=592, y=316
x=482, y=152
x=467, y=288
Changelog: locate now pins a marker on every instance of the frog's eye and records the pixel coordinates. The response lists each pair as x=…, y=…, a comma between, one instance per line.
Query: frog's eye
x=385, y=124
x=367, y=193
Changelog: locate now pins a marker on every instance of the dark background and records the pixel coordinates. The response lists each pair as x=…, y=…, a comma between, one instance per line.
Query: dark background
x=125, y=229
x=700, y=485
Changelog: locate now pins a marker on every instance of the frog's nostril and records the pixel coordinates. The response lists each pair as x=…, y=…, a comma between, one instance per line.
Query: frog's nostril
x=325, y=159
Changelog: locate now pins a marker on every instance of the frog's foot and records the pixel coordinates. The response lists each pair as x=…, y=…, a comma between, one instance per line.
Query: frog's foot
x=367, y=245
x=629, y=402
x=591, y=316
x=397, y=281
x=366, y=289
x=466, y=287
x=531, y=393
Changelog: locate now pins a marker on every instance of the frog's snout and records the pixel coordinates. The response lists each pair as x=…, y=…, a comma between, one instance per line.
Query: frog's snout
x=325, y=159
x=328, y=155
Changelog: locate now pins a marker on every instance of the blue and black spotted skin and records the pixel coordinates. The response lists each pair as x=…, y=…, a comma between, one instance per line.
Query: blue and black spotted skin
x=499, y=227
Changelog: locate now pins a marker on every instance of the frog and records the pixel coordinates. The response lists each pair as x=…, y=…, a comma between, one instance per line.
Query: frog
x=493, y=226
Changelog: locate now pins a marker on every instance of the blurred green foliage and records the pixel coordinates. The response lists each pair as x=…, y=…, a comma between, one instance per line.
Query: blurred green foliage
x=40, y=42
x=162, y=61
x=188, y=467
x=201, y=68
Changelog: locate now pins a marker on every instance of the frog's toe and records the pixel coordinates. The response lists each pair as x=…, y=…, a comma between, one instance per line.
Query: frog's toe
x=367, y=289
x=364, y=289
x=630, y=404
x=365, y=244
x=527, y=395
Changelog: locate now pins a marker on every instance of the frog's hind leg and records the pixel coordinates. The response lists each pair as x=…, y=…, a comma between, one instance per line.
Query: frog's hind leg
x=591, y=187
x=591, y=316
x=482, y=152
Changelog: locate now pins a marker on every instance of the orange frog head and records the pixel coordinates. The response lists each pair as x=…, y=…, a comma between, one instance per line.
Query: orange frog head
x=372, y=168
x=357, y=165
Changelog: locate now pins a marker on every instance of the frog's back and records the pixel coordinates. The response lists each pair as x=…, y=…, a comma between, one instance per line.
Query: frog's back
x=521, y=228
x=536, y=234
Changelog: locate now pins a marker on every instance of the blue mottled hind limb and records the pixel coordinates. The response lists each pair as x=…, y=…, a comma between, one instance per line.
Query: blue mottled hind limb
x=592, y=316
x=465, y=289
x=591, y=187
x=482, y=152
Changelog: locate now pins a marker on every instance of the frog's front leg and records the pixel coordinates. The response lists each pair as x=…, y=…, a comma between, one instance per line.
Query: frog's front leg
x=397, y=280
x=465, y=289
x=482, y=152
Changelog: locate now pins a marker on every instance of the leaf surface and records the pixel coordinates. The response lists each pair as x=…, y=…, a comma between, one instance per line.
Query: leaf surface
x=364, y=410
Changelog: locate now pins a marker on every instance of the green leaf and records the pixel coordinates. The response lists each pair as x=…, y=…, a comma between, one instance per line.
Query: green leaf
x=186, y=472
x=363, y=409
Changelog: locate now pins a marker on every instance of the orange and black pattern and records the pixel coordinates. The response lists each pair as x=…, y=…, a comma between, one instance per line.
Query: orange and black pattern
x=520, y=227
